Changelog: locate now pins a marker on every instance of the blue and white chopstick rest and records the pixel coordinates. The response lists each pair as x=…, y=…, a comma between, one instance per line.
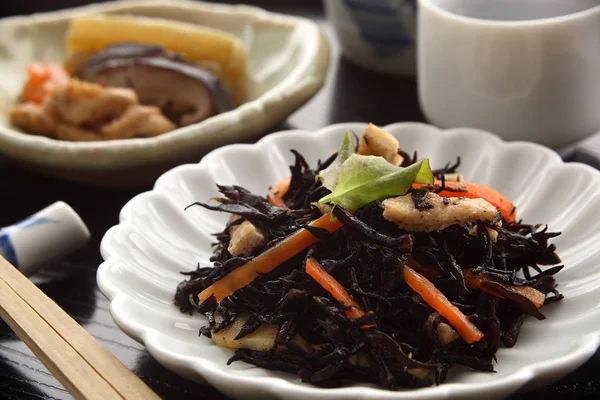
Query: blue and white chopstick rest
x=49, y=234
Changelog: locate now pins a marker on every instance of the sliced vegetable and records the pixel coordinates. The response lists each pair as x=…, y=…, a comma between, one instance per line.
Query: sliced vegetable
x=328, y=282
x=474, y=191
x=34, y=88
x=268, y=260
x=329, y=177
x=42, y=78
x=479, y=281
x=436, y=299
x=92, y=33
x=277, y=191
x=527, y=298
x=185, y=92
x=364, y=179
x=263, y=338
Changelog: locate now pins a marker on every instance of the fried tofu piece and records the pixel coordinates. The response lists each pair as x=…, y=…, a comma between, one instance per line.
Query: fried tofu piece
x=138, y=120
x=88, y=104
x=245, y=239
x=33, y=118
x=375, y=141
x=440, y=214
x=455, y=177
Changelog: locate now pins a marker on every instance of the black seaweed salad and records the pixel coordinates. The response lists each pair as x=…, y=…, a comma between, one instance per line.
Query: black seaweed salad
x=491, y=271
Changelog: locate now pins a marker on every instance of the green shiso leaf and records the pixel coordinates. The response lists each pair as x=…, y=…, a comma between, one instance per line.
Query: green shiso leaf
x=329, y=176
x=364, y=179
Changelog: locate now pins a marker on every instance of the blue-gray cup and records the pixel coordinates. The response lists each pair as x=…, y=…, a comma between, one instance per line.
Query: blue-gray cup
x=376, y=34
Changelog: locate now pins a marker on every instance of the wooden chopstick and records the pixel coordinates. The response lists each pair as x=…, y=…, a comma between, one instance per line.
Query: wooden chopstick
x=75, y=358
x=78, y=377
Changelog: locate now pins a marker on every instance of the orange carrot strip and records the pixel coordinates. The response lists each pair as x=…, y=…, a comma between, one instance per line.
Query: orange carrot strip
x=33, y=90
x=277, y=191
x=474, y=191
x=477, y=281
x=42, y=79
x=268, y=260
x=328, y=282
x=442, y=305
x=38, y=71
x=481, y=281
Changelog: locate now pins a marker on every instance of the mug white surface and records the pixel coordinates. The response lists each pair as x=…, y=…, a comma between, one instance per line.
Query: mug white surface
x=523, y=69
x=376, y=34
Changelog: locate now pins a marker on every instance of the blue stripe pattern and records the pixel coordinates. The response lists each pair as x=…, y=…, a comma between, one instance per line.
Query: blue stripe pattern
x=380, y=25
x=7, y=250
x=33, y=221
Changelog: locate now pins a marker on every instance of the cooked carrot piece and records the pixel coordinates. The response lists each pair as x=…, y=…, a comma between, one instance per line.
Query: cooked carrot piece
x=268, y=260
x=475, y=191
x=34, y=87
x=42, y=79
x=436, y=299
x=315, y=270
x=488, y=284
x=38, y=71
x=277, y=191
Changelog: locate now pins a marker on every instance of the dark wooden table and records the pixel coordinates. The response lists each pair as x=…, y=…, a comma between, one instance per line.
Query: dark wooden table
x=350, y=94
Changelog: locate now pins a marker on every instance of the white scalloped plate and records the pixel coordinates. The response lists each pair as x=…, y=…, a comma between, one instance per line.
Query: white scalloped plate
x=288, y=59
x=156, y=239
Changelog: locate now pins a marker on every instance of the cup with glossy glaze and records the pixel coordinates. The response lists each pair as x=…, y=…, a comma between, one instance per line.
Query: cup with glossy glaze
x=523, y=69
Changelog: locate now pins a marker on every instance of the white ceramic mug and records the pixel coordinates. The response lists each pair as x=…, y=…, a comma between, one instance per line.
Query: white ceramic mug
x=522, y=69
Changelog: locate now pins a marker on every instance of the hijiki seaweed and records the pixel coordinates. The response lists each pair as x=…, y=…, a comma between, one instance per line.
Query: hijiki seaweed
x=399, y=342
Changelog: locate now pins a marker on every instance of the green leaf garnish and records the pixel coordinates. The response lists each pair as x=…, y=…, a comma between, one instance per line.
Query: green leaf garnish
x=364, y=179
x=330, y=175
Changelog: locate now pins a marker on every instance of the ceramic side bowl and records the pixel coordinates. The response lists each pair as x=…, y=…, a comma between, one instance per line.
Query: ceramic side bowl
x=287, y=63
x=376, y=34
